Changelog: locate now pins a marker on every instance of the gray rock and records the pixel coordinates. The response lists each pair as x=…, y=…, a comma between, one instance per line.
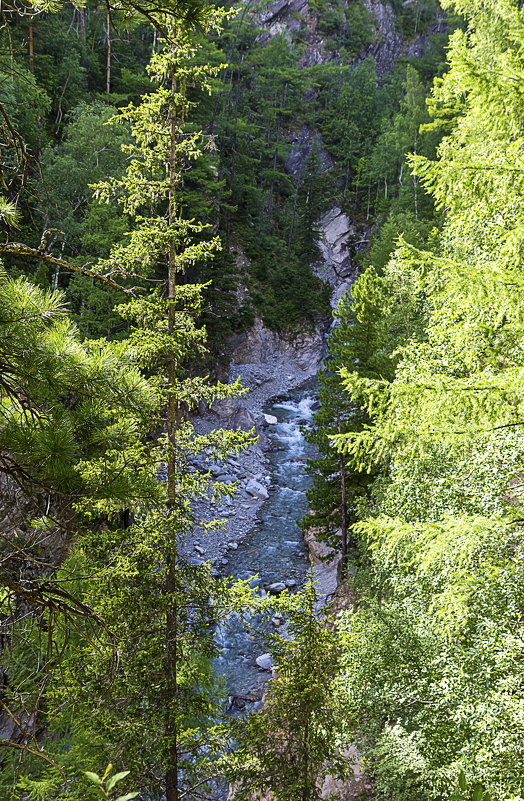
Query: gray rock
x=265, y=661
x=226, y=478
x=291, y=583
x=276, y=588
x=199, y=550
x=303, y=141
x=243, y=419
x=232, y=546
x=270, y=419
x=256, y=489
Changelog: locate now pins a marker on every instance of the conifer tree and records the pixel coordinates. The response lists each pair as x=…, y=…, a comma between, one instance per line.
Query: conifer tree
x=152, y=610
x=287, y=747
x=370, y=323
x=433, y=644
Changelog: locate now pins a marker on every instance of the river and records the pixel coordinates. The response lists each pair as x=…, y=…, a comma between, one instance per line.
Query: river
x=274, y=550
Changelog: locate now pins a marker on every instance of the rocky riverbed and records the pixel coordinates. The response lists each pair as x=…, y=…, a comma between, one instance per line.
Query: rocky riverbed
x=271, y=368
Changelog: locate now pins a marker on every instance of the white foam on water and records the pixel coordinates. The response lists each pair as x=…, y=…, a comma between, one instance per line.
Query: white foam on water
x=289, y=491
x=303, y=407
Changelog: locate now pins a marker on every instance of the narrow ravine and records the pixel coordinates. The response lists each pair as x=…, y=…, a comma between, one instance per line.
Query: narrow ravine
x=274, y=550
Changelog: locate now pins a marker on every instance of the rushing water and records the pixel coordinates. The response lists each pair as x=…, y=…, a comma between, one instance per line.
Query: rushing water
x=274, y=549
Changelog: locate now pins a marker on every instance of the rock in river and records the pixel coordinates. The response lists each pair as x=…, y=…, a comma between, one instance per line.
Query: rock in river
x=265, y=661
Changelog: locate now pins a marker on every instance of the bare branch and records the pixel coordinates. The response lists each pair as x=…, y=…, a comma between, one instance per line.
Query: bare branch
x=19, y=249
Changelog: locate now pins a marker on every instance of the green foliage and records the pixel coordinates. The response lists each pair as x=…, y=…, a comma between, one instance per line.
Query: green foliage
x=106, y=783
x=51, y=419
x=90, y=151
x=403, y=224
x=261, y=92
x=347, y=27
x=126, y=663
x=116, y=661
x=431, y=657
x=290, y=741
x=348, y=111
x=381, y=313
x=414, y=18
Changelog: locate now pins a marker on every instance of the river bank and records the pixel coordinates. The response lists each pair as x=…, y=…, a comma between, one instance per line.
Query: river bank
x=271, y=368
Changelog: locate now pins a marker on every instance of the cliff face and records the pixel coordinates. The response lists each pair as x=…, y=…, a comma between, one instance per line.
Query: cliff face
x=389, y=44
x=261, y=352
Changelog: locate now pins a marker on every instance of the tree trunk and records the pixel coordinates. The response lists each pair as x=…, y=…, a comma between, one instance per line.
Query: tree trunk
x=305, y=794
x=108, y=59
x=171, y=777
x=294, y=215
x=82, y=23
x=343, y=506
x=31, y=46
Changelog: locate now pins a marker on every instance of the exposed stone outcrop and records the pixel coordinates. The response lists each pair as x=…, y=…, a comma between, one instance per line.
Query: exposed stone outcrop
x=288, y=17
x=354, y=787
x=336, y=267
x=301, y=143
x=325, y=562
x=388, y=43
x=283, y=16
x=268, y=351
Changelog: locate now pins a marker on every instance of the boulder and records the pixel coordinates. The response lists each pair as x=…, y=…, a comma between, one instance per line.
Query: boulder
x=257, y=490
x=243, y=419
x=276, y=588
x=270, y=419
x=199, y=550
x=265, y=661
x=226, y=478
